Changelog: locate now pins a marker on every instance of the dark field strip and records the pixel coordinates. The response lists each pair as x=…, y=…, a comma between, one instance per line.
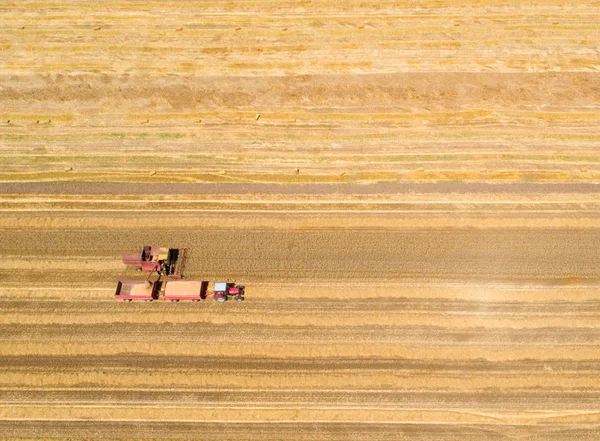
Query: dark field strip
x=514, y=254
x=309, y=431
x=137, y=362
x=588, y=209
x=488, y=399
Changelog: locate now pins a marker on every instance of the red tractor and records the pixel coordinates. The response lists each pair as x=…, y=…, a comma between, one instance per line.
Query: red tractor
x=164, y=261
x=224, y=290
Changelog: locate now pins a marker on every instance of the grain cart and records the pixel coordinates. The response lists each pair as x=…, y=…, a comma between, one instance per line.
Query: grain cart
x=129, y=290
x=224, y=290
x=185, y=290
x=165, y=261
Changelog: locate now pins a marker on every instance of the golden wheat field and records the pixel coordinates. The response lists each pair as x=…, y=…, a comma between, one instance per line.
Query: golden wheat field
x=409, y=192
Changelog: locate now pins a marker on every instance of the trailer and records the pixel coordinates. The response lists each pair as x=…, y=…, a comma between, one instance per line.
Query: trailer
x=185, y=290
x=224, y=290
x=165, y=261
x=129, y=290
x=176, y=290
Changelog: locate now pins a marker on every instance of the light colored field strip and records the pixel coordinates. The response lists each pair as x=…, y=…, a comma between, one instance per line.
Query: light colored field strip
x=48, y=220
x=262, y=390
x=300, y=350
x=275, y=176
x=141, y=210
x=62, y=264
x=301, y=415
x=332, y=194
x=460, y=380
x=501, y=137
x=457, y=321
x=245, y=422
x=372, y=158
x=380, y=29
x=363, y=201
x=202, y=333
x=254, y=405
x=55, y=407
x=400, y=14
x=341, y=114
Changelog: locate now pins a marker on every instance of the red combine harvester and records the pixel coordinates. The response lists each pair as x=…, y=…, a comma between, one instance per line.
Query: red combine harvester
x=129, y=290
x=224, y=290
x=188, y=290
x=164, y=261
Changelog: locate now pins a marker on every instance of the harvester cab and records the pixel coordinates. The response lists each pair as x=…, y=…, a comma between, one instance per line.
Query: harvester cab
x=165, y=261
x=224, y=290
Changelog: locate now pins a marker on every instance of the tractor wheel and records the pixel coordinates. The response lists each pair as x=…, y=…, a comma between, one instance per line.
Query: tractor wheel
x=239, y=298
x=221, y=299
x=129, y=300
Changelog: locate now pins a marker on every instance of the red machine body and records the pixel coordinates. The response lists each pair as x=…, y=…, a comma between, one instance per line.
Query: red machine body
x=165, y=261
x=224, y=290
x=129, y=290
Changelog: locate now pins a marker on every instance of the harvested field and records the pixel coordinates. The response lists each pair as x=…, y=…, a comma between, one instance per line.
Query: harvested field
x=408, y=191
x=378, y=323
